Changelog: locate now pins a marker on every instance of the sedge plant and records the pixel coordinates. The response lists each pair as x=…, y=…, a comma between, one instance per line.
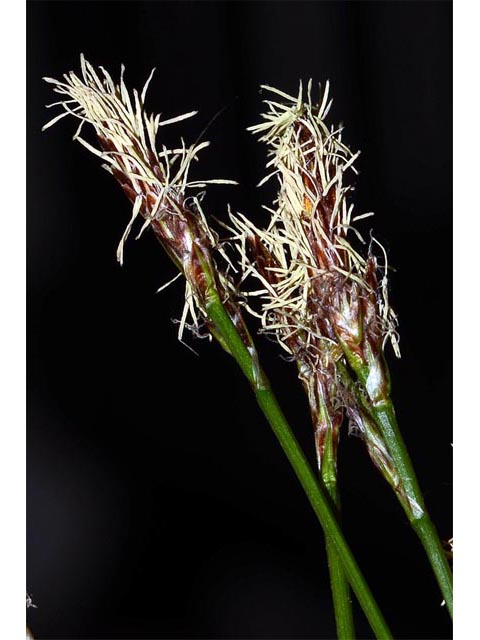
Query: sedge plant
x=327, y=303
x=156, y=182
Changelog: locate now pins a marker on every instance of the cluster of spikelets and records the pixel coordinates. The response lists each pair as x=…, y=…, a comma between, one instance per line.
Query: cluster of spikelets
x=318, y=296
x=313, y=264
x=155, y=179
x=306, y=276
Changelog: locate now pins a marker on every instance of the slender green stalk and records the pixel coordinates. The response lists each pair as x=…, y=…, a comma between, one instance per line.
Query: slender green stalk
x=313, y=489
x=420, y=520
x=428, y=535
x=383, y=413
x=342, y=603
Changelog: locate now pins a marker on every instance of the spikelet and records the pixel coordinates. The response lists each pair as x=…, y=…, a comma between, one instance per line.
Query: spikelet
x=155, y=179
x=309, y=231
x=319, y=297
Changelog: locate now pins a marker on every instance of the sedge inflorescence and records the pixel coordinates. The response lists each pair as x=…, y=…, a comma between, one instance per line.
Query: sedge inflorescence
x=319, y=297
x=317, y=273
x=155, y=179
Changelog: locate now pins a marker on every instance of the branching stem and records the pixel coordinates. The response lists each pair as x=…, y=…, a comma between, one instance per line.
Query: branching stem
x=313, y=489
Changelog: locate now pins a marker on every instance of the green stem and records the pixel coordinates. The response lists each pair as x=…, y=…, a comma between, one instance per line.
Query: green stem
x=316, y=495
x=342, y=603
x=384, y=415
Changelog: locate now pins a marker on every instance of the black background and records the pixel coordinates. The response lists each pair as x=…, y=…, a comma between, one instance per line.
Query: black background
x=159, y=503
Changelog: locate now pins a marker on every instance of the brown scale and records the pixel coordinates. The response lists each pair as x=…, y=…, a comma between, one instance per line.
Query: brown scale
x=372, y=325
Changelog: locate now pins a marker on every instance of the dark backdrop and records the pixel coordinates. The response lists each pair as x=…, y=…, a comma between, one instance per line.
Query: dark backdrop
x=159, y=503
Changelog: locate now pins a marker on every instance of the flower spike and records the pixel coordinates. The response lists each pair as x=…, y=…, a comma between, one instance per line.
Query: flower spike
x=155, y=179
x=319, y=297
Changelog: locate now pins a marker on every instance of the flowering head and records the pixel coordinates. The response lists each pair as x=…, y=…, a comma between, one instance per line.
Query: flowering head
x=155, y=179
x=319, y=296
